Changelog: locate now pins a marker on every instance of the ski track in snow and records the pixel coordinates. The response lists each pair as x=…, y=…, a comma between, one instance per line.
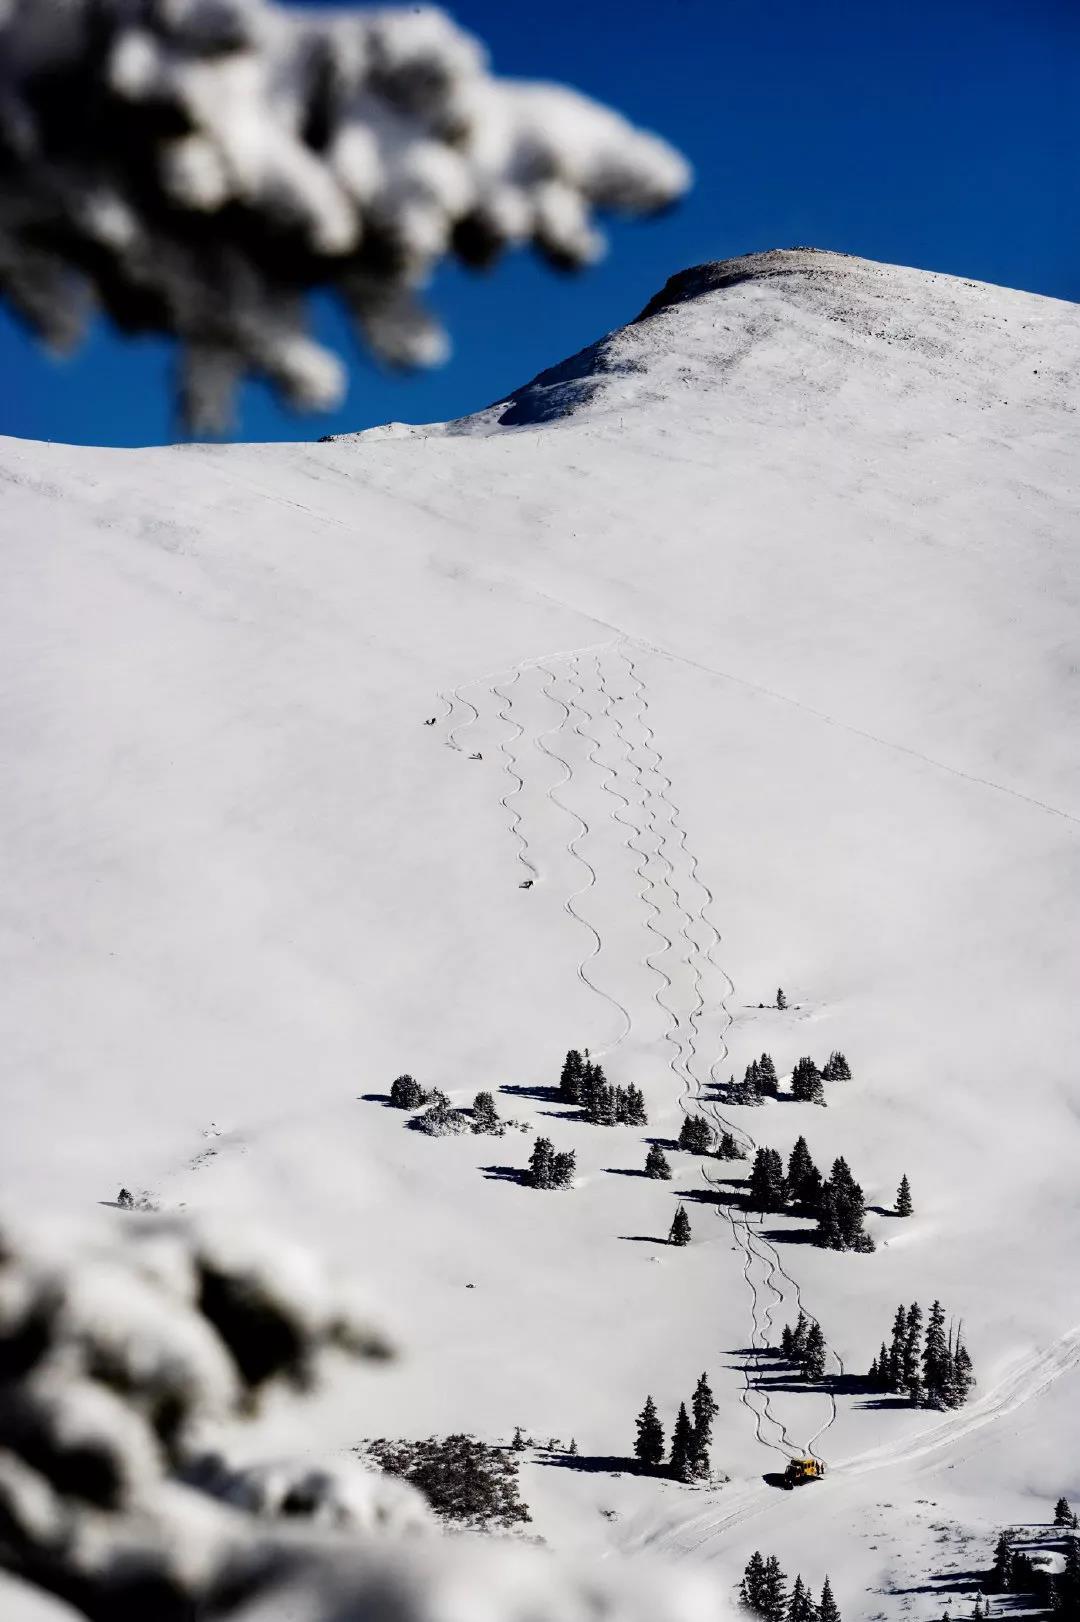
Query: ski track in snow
x=668, y=872
x=687, y=937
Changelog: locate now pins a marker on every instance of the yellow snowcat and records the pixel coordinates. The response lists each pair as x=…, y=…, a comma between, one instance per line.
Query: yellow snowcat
x=800, y=1471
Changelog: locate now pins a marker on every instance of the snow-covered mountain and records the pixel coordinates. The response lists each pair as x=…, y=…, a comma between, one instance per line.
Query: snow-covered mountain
x=759, y=619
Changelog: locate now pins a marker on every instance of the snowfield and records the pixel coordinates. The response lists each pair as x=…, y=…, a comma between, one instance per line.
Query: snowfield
x=760, y=616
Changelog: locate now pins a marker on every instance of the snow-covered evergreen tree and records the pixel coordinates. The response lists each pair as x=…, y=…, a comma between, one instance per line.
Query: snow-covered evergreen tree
x=485, y=1117
x=704, y=1411
x=406, y=1093
x=752, y=1587
x=806, y=1087
x=656, y=1163
x=570, y=1079
x=649, y=1441
x=681, y=1462
x=904, y=1206
x=696, y=1135
x=813, y=1360
x=680, y=1228
x=828, y=1610
x=542, y=1163
x=767, y=1190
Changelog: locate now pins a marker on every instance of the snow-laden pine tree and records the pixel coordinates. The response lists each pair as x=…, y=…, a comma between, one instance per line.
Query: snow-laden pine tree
x=752, y=1587
x=406, y=1093
x=366, y=143
x=485, y=1117
x=679, y=1233
x=656, y=1163
x=774, y=1592
x=828, y=1610
x=542, y=1164
x=904, y=1206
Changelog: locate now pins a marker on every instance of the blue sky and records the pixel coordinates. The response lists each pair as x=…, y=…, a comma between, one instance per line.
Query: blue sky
x=937, y=133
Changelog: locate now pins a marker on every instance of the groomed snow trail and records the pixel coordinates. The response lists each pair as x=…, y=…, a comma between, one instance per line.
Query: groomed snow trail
x=606, y=709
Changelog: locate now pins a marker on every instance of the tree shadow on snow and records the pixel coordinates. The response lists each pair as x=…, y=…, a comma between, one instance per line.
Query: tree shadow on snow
x=542, y=1095
x=374, y=1098
x=592, y=1464
x=790, y=1236
x=952, y=1582
x=508, y=1174
x=642, y=1239
x=664, y=1143
x=625, y=1171
x=702, y=1196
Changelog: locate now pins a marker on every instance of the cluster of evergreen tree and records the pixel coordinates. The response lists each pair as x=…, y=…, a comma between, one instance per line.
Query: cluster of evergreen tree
x=583, y=1083
x=464, y=1480
x=838, y=1203
x=805, y=1347
x=806, y=1083
x=440, y=1119
x=759, y=1082
x=932, y=1368
x=696, y=1135
x=764, y=1590
x=729, y=1147
x=407, y=1093
x=1014, y=1572
x=841, y=1211
x=548, y=1169
x=768, y=1186
x=691, y=1437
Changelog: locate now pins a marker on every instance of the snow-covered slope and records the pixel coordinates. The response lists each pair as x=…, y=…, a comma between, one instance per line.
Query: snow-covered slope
x=760, y=615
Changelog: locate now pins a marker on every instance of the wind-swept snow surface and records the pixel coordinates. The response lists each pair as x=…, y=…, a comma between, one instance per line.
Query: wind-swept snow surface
x=752, y=634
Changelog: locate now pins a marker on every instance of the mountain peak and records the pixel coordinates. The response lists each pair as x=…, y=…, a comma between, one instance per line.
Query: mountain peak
x=715, y=274
x=779, y=335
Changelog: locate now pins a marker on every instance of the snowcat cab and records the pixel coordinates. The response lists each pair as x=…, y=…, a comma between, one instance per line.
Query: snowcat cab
x=800, y=1471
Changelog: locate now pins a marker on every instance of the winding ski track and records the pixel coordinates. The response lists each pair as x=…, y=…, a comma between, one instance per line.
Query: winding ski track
x=754, y=1397
x=569, y=905
x=510, y=763
x=668, y=873
x=667, y=869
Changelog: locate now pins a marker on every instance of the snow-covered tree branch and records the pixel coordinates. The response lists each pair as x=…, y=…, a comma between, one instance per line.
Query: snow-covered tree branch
x=122, y=1352
x=196, y=167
